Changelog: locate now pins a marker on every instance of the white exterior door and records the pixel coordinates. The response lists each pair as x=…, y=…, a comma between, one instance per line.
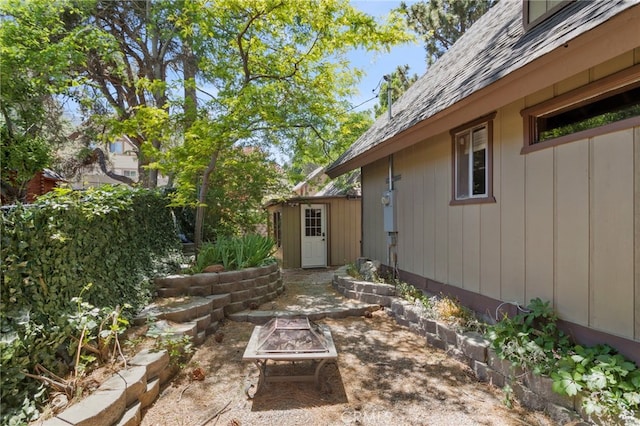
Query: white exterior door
x=313, y=241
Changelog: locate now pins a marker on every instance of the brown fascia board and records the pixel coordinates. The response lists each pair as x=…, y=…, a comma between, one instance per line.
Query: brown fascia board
x=610, y=39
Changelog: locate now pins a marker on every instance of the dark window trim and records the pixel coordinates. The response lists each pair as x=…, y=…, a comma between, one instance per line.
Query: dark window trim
x=525, y=13
x=591, y=92
x=489, y=198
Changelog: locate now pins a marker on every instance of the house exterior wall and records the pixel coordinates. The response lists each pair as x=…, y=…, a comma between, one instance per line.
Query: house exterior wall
x=565, y=225
x=343, y=227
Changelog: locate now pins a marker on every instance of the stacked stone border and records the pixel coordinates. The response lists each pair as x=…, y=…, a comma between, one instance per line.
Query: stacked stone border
x=120, y=399
x=470, y=348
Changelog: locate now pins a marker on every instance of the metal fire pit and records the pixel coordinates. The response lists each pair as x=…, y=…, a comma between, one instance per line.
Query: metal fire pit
x=290, y=339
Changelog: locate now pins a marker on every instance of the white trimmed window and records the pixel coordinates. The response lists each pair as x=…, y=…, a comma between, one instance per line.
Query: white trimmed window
x=472, y=152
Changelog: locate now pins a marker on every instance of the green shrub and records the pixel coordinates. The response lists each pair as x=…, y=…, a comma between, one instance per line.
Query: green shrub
x=530, y=339
x=113, y=237
x=609, y=383
x=236, y=252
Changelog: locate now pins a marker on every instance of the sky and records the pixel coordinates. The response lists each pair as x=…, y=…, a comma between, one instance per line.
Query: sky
x=377, y=64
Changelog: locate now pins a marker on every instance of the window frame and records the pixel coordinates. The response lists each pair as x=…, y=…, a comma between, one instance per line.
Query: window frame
x=610, y=85
x=525, y=13
x=487, y=121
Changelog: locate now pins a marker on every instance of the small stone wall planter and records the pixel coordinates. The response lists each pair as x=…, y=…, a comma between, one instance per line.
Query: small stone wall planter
x=471, y=348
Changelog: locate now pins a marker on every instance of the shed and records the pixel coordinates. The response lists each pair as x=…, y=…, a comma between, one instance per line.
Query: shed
x=321, y=228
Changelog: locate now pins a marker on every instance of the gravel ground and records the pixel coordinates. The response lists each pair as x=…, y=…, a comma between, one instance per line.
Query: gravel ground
x=384, y=375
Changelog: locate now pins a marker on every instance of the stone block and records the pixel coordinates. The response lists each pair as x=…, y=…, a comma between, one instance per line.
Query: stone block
x=542, y=386
x=154, y=362
x=261, y=290
x=204, y=307
x=262, y=280
x=166, y=374
x=435, y=341
x=496, y=378
x=413, y=313
x=199, y=290
x=134, y=380
x=223, y=288
x=245, y=285
x=242, y=295
x=150, y=394
x=182, y=282
x=180, y=313
x=101, y=408
x=375, y=299
x=203, y=322
x=219, y=300
x=251, y=273
x=401, y=320
x=170, y=292
x=199, y=338
x=473, y=345
x=527, y=398
x=132, y=416
x=205, y=279
x=230, y=277
x=447, y=333
x=217, y=314
x=397, y=306
x=275, y=276
x=480, y=369
x=259, y=317
x=503, y=366
x=428, y=325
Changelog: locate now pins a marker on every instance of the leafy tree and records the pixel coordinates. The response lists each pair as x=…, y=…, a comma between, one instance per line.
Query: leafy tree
x=34, y=60
x=442, y=22
x=334, y=139
x=275, y=72
x=237, y=193
x=399, y=81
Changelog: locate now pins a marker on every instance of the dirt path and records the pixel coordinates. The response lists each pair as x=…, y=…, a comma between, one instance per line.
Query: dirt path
x=385, y=375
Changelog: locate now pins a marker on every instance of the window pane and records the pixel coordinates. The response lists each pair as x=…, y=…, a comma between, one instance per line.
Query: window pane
x=604, y=111
x=479, y=172
x=479, y=161
x=462, y=165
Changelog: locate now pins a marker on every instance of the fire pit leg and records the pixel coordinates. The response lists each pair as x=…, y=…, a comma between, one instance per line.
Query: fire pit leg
x=317, y=375
x=262, y=368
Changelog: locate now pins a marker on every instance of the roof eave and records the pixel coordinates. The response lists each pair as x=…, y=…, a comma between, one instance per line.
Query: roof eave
x=590, y=48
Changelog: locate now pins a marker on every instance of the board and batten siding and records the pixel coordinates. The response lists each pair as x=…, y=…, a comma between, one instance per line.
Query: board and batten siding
x=344, y=218
x=565, y=226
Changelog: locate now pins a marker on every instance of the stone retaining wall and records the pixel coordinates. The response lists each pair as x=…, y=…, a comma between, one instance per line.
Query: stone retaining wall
x=470, y=348
x=120, y=399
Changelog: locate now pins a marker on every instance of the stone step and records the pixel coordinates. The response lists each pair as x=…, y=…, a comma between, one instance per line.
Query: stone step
x=262, y=317
x=181, y=309
x=164, y=329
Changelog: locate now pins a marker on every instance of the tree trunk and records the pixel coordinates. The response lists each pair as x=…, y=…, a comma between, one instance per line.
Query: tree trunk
x=202, y=195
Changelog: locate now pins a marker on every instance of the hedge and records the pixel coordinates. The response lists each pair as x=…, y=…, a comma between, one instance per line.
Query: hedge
x=114, y=238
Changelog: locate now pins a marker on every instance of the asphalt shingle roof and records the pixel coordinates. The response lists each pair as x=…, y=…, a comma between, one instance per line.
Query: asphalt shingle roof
x=495, y=46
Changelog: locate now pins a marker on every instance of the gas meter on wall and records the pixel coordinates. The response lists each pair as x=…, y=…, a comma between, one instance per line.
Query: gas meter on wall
x=388, y=209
